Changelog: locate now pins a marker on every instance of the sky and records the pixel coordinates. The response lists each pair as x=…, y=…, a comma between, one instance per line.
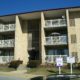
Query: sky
x=8, y=7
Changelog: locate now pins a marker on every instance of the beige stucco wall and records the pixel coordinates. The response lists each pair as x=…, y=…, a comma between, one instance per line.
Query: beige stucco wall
x=77, y=25
x=73, y=47
x=21, y=41
x=71, y=30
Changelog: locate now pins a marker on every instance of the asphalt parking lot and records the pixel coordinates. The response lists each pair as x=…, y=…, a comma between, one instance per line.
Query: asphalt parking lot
x=63, y=77
x=11, y=78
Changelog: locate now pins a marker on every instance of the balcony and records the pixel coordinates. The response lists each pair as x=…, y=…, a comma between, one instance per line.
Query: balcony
x=55, y=23
x=6, y=43
x=7, y=27
x=56, y=40
x=52, y=58
x=6, y=59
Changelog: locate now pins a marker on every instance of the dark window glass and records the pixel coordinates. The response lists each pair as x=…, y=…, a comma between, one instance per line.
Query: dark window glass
x=73, y=38
x=72, y=22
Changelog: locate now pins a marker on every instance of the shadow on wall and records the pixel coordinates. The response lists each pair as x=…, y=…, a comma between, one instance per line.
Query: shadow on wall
x=33, y=59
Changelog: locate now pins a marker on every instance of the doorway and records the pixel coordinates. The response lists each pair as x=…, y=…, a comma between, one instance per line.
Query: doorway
x=33, y=55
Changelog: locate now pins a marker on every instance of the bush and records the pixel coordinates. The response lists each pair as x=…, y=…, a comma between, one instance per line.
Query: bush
x=75, y=66
x=50, y=65
x=33, y=63
x=65, y=66
x=78, y=66
x=15, y=64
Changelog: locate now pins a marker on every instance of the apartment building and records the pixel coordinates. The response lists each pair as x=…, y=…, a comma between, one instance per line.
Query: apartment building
x=37, y=35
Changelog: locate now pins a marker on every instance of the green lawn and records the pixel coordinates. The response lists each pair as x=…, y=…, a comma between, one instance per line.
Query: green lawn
x=49, y=71
x=6, y=69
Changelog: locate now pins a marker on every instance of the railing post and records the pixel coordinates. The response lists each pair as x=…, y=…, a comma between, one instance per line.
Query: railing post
x=59, y=22
x=10, y=28
x=7, y=43
x=51, y=40
x=51, y=23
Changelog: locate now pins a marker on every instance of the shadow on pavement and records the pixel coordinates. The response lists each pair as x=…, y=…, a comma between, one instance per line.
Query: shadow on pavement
x=37, y=78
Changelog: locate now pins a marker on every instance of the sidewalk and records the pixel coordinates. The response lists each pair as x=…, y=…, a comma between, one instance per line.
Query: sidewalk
x=20, y=74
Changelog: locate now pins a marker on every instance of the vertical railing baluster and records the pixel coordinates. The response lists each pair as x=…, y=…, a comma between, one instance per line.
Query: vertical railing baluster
x=7, y=27
x=55, y=23
x=7, y=43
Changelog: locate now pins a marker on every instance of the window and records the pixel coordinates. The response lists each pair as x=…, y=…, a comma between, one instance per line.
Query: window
x=50, y=52
x=74, y=54
x=72, y=22
x=73, y=38
x=57, y=52
x=29, y=40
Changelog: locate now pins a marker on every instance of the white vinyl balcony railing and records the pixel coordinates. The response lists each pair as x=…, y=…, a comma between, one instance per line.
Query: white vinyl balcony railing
x=7, y=43
x=6, y=59
x=56, y=40
x=7, y=27
x=55, y=23
x=52, y=58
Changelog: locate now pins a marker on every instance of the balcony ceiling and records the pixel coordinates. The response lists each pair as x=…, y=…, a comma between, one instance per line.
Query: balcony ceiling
x=75, y=9
x=54, y=13
x=7, y=19
x=35, y=15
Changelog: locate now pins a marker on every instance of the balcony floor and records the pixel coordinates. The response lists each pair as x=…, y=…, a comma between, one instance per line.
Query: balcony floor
x=55, y=28
x=57, y=46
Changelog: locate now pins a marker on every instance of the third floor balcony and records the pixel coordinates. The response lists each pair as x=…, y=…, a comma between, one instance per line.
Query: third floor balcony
x=7, y=43
x=7, y=27
x=56, y=40
x=55, y=23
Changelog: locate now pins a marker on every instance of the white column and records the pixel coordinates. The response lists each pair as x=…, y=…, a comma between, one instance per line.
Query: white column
x=20, y=41
x=68, y=25
x=43, y=55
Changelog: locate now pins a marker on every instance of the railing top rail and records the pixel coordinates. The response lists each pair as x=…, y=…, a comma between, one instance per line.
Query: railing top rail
x=55, y=19
x=7, y=27
x=7, y=40
x=56, y=36
x=56, y=55
x=55, y=22
x=7, y=43
x=6, y=56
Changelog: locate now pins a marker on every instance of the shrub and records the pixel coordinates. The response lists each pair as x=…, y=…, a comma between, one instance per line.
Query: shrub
x=65, y=66
x=75, y=66
x=15, y=64
x=50, y=65
x=33, y=63
x=78, y=66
